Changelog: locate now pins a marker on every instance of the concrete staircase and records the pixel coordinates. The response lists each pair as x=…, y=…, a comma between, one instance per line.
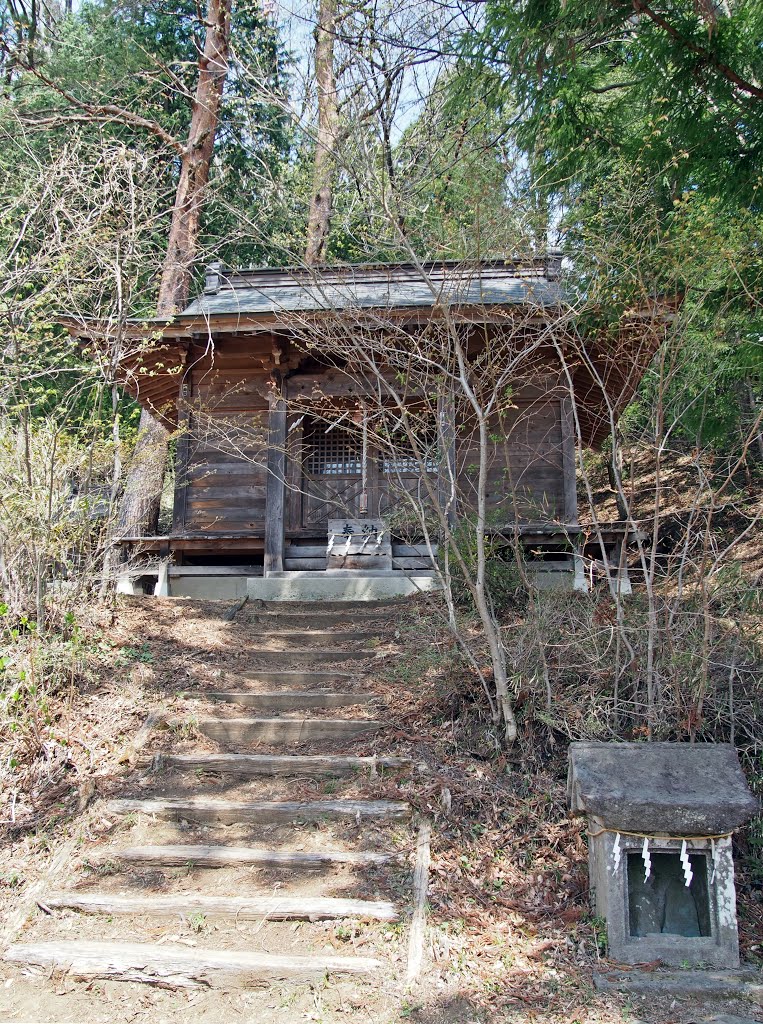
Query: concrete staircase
x=246, y=845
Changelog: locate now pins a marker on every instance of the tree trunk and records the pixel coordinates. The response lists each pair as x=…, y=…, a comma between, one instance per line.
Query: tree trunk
x=139, y=512
x=615, y=476
x=319, y=218
x=194, y=171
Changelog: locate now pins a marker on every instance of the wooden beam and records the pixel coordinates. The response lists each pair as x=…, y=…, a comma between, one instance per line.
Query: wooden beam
x=246, y=908
x=276, y=483
x=234, y=812
x=420, y=889
x=290, y=700
x=245, y=765
x=173, y=967
x=235, y=731
x=236, y=856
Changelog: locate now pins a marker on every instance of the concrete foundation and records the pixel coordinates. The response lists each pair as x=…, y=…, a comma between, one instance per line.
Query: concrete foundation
x=228, y=583
x=208, y=588
x=162, y=587
x=552, y=579
x=338, y=586
x=203, y=583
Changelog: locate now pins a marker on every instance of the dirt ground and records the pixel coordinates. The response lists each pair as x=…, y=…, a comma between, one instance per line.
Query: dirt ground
x=510, y=936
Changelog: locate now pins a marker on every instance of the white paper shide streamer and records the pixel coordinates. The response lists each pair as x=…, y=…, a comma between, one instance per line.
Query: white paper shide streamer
x=715, y=859
x=616, y=854
x=647, y=859
x=686, y=864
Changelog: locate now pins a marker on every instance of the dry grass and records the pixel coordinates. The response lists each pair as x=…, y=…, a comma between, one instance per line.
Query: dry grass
x=510, y=934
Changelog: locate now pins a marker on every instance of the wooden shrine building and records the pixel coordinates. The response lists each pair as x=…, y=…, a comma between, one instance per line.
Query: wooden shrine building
x=244, y=377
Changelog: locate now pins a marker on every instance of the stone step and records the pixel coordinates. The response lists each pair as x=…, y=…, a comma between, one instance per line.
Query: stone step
x=233, y=731
x=327, y=617
x=358, y=575
x=181, y=967
x=260, y=812
x=333, y=585
x=310, y=637
x=289, y=700
x=312, y=655
x=244, y=856
x=245, y=908
x=298, y=677
x=272, y=764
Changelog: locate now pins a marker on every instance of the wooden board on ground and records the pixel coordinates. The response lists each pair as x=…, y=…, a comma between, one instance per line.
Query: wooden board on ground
x=290, y=700
x=231, y=812
x=231, y=731
x=284, y=677
x=250, y=908
x=231, y=856
x=171, y=967
x=320, y=636
x=273, y=764
x=289, y=656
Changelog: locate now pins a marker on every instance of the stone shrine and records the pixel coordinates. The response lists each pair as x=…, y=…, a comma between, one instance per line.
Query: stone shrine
x=660, y=819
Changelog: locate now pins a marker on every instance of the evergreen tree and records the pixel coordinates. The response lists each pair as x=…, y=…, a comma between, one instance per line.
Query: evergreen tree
x=643, y=123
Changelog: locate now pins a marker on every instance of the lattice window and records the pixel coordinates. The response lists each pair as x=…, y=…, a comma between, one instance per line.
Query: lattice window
x=405, y=463
x=336, y=453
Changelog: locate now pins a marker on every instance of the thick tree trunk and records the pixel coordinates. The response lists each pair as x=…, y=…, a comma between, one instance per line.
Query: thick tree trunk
x=139, y=512
x=194, y=172
x=319, y=217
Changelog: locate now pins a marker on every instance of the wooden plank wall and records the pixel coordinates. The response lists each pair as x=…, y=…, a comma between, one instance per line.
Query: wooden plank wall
x=226, y=469
x=225, y=475
x=526, y=463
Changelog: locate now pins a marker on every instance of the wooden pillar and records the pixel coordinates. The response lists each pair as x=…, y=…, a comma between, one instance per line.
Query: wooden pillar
x=569, y=465
x=275, y=488
x=181, y=462
x=446, y=430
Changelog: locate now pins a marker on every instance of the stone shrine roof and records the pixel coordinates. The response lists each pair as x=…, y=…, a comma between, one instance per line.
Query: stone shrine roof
x=679, y=789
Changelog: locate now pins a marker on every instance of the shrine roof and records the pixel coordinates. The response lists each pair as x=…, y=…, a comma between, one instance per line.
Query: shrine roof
x=265, y=291
x=683, y=789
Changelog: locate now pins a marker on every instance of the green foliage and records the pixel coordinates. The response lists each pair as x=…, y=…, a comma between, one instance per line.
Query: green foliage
x=447, y=184
x=645, y=132
x=142, y=58
x=36, y=667
x=197, y=921
x=503, y=580
x=673, y=89
x=85, y=199
x=54, y=515
x=142, y=654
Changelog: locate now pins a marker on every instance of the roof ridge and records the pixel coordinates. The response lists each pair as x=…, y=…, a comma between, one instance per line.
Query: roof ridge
x=218, y=276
